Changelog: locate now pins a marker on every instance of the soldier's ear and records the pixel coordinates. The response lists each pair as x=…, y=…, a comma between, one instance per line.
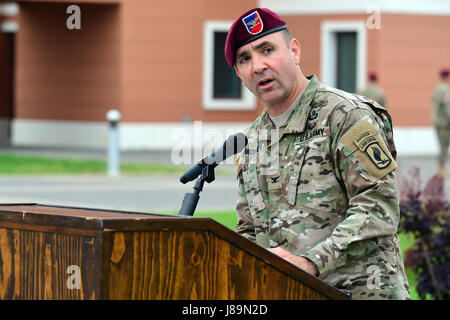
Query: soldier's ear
x=237, y=72
x=295, y=50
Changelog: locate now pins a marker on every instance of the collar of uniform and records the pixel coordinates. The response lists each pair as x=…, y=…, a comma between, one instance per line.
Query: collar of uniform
x=297, y=122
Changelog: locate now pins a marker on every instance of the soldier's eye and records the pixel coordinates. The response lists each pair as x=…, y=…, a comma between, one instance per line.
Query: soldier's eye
x=243, y=59
x=267, y=49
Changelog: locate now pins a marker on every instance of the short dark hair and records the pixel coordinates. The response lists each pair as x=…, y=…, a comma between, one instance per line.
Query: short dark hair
x=288, y=36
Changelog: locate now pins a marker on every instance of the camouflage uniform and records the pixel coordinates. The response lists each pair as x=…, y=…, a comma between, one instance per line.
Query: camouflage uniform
x=441, y=119
x=373, y=92
x=323, y=187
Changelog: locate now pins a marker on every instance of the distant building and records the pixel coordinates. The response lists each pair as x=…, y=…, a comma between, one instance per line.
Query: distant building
x=161, y=64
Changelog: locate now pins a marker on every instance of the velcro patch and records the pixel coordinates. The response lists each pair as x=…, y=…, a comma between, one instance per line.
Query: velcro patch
x=365, y=142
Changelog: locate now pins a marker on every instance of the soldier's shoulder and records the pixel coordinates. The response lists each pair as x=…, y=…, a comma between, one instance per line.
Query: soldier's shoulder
x=340, y=102
x=441, y=88
x=347, y=109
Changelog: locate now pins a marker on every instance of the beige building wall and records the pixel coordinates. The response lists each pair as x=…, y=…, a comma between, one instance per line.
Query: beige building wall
x=411, y=51
x=64, y=74
x=141, y=57
x=145, y=58
x=162, y=50
x=407, y=54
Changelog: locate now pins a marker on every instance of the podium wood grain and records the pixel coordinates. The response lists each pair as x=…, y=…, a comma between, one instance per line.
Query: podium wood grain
x=126, y=255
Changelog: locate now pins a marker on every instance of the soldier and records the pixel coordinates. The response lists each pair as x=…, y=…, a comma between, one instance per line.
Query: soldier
x=373, y=91
x=316, y=180
x=441, y=119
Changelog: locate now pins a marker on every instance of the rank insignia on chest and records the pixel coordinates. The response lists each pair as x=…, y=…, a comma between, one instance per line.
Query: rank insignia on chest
x=274, y=179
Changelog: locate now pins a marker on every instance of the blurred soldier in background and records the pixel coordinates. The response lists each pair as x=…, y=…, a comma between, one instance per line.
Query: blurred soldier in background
x=373, y=91
x=441, y=119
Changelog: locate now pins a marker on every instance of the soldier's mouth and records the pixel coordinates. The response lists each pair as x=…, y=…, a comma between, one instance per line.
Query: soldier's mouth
x=265, y=83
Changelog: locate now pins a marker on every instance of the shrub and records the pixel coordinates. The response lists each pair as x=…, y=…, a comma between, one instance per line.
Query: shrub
x=426, y=214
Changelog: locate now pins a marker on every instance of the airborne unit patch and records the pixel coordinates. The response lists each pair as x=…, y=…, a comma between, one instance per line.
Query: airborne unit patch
x=378, y=156
x=368, y=147
x=368, y=141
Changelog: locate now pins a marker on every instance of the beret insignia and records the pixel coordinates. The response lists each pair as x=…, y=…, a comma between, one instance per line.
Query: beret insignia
x=253, y=23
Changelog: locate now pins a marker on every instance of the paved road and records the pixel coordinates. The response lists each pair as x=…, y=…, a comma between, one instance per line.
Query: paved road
x=159, y=193
x=147, y=193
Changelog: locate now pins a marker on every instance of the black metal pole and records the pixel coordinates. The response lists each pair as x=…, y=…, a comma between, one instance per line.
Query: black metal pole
x=190, y=200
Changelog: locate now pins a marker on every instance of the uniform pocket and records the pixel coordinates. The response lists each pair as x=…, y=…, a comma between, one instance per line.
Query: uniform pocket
x=251, y=183
x=301, y=150
x=317, y=186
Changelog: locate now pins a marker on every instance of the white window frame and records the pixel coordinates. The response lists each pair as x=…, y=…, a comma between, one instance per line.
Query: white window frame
x=247, y=101
x=328, y=67
x=9, y=9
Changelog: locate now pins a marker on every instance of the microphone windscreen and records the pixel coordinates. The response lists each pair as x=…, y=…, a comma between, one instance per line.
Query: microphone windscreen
x=234, y=144
x=238, y=143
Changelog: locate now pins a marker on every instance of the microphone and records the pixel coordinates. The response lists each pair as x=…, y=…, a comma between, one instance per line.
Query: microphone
x=234, y=144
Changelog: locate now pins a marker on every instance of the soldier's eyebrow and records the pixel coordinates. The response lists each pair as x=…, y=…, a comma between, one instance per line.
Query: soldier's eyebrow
x=242, y=54
x=257, y=47
x=263, y=44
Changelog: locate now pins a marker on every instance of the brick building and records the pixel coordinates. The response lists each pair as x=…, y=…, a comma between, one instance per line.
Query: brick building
x=161, y=64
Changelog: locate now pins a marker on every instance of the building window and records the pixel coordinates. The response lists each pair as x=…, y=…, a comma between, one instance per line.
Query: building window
x=222, y=89
x=346, y=61
x=343, y=54
x=226, y=83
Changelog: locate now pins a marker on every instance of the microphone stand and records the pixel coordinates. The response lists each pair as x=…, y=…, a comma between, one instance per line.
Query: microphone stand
x=191, y=199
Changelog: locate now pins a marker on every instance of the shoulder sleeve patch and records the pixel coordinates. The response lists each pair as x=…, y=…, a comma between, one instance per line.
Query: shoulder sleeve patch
x=367, y=146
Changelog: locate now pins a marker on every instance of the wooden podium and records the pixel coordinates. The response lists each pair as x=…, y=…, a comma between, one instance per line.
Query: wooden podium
x=55, y=252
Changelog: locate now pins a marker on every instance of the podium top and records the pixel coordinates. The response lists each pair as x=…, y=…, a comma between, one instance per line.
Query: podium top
x=80, y=218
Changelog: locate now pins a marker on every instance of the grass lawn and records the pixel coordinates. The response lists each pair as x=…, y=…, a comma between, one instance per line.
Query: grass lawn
x=32, y=165
x=23, y=165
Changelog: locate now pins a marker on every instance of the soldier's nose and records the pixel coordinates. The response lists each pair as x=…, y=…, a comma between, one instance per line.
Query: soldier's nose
x=259, y=65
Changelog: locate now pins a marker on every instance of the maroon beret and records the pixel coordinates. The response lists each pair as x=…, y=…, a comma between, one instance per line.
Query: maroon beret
x=252, y=25
x=444, y=73
x=372, y=76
